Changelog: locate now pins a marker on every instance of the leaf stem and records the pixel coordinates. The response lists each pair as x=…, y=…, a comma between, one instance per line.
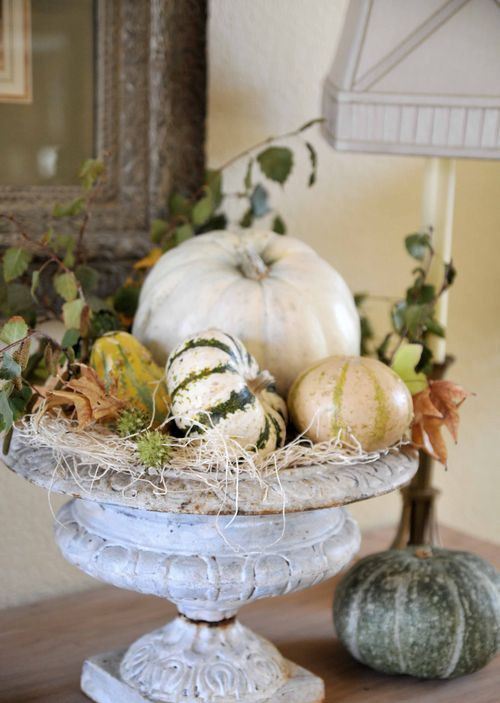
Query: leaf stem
x=269, y=140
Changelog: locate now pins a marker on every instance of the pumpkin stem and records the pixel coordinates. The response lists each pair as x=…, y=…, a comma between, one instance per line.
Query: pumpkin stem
x=261, y=382
x=251, y=264
x=423, y=552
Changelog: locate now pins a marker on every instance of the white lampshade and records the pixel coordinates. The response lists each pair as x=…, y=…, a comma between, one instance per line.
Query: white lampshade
x=417, y=77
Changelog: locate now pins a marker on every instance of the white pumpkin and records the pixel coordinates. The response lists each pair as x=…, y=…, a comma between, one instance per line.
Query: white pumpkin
x=287, y=305
x=213, y=380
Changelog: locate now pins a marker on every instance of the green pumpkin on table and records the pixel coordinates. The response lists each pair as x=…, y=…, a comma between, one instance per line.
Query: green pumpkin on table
x=423, y=611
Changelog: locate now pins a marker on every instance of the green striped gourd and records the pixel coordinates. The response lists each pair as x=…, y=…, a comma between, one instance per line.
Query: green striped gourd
x=343, y=396
x=120, y=359
x=214, y=381
x=422, y=611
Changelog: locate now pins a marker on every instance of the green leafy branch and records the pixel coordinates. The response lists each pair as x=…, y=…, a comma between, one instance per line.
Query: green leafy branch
x=17, y=365
x=188, y=216
x=412, y=317
x=47, y=277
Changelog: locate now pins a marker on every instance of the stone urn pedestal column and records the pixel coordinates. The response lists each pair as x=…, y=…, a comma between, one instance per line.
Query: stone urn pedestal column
x=210, y=563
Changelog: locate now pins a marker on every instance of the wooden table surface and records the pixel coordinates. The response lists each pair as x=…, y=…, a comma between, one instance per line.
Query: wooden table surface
x=42, y=646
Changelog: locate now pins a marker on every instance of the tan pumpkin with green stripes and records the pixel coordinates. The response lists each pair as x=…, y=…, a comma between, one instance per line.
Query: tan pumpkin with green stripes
x=120, y=358
x=343, y=395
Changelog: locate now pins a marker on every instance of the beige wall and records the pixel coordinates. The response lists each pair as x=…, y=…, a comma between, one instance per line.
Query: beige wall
x=267, y=63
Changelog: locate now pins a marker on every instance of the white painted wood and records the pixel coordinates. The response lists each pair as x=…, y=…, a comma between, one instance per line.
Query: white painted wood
x=408, y=78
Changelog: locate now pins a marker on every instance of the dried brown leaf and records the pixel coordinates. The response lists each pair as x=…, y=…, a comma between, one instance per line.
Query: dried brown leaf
x=90, y=399
x=435, y=407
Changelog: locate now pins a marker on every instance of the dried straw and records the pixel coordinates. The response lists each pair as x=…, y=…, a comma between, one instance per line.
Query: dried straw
x=216, y=462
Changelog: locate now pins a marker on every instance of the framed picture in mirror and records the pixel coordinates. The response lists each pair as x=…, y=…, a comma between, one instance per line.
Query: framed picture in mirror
x=15, y=51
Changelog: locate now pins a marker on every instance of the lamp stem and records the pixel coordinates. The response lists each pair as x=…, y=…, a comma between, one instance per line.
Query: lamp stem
x=418, y=523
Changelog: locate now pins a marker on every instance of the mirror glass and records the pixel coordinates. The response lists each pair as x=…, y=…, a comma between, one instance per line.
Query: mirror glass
x=47, y=50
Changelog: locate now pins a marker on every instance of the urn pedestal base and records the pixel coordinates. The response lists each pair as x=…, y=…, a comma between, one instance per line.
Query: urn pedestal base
x=209, y=566
x=101, y=681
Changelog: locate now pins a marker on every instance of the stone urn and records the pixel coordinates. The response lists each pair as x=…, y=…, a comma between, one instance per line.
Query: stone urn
x=210, y=561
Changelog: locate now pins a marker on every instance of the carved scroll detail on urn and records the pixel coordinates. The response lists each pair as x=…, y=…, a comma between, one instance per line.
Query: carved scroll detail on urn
x=210, y=575
x=195, y=663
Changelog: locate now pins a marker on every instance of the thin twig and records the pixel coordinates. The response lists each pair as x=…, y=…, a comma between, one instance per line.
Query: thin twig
x=269, y=140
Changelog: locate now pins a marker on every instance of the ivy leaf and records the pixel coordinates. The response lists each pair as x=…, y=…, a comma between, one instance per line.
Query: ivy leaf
x=276, y=163
x=404, y=363
x=398, y=312
x=65, y=246
x=421, y=294
x=6, y=414
x=15, y=263
x=247, y=219
x=72, y=313
x=425, y=364
x=178, y=205
x=90, y=172
x=202, y=210
x=259, y=201
x=216, y=222
x=416, y=319
x=10, y=369
x=450, y=273
x=13, y=330
x=248, y=176
x=66, y=286
x=87, y=276
x=434, y=327
x=19, y=400
x=19, y=299
x=213, y=180
x=75, y=207
x=383, y=347
x=183, y=233
x=314, y=163
x=418, y=245
x=279, y=225
x=126, y=300
x=70, y=338
x=159, y=229
x=35, y=280
x=367, y=334
x=103, y=321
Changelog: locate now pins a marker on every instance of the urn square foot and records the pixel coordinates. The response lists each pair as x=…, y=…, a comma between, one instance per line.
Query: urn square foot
x=101, y=682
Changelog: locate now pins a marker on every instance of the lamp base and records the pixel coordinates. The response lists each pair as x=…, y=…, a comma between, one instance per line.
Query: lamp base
x=102, y=683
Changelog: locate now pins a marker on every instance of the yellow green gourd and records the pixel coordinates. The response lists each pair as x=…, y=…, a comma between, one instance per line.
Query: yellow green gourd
x=351, y=397
x=120, y=359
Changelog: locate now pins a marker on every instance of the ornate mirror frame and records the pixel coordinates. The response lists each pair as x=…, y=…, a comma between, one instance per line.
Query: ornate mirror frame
x=150, y=86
